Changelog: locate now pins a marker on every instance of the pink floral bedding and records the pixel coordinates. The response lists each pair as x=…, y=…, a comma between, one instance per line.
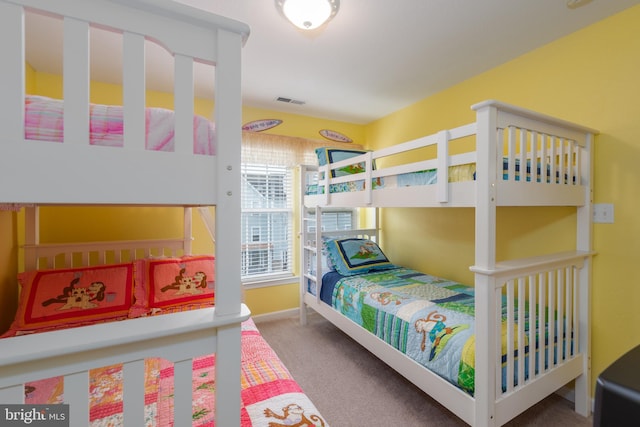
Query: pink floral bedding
x=270, y=396
x=44, y=121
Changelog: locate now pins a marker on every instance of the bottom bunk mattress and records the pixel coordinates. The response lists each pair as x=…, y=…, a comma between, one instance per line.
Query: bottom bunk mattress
x=270, y=396
x=429, y=319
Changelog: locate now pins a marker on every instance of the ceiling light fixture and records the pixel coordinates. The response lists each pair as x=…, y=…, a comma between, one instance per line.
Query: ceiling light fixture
x=308, y=14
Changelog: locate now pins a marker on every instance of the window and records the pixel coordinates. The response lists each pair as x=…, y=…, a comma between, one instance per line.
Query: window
x=268, y=162
x=255, y=234
x=338, y=220
x=334, y=220
x=267, y=221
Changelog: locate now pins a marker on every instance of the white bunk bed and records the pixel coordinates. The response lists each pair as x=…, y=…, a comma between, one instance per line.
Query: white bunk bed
x=491, y=150
x=76, y=172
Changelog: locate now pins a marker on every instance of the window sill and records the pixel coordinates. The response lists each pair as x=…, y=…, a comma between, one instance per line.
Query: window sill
x=267, y=281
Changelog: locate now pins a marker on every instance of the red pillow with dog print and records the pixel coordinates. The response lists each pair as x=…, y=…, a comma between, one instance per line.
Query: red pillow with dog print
x=170, y=283
x=70, y=297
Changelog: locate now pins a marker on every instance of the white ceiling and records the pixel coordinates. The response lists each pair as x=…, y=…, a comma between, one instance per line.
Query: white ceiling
x=375, y=56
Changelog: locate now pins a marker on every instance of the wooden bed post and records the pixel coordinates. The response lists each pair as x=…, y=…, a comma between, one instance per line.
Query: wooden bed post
x=584, y=242
x=31, y=237
x=485, y=259
x=187, y=232
x=228, y=119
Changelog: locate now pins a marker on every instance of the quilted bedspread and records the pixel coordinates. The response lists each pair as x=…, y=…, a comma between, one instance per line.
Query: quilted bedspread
x=429, y=319
x=44, y=121
x=270, y=396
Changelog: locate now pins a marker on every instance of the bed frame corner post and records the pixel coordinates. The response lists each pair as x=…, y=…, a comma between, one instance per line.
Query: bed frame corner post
x=584, y=242
x=485, y=260
x=318, y=243
x=228, y=118
x=302, y=243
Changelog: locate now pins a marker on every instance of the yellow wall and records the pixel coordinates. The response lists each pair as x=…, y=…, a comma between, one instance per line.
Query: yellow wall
x=589, y=77
x=8, y=268
x=304, y=126
x=9, y=247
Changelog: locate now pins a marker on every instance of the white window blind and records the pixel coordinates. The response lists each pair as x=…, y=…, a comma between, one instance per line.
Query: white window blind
x=267, y=221
x=335, y=220
x=338, y=220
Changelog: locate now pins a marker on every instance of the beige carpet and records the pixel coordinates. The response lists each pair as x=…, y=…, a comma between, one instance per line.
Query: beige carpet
x=352, y=388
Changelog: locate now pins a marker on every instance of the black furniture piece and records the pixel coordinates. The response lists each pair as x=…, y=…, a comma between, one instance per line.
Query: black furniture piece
x=618, y=393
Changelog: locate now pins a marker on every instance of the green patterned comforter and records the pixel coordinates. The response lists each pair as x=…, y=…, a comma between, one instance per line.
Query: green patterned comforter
x=429, y=319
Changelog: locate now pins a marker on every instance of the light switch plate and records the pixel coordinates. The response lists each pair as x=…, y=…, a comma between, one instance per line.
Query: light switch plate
x=603, y=213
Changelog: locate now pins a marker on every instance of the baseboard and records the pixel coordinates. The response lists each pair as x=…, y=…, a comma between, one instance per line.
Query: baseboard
x=569, y=394
x=276, y=315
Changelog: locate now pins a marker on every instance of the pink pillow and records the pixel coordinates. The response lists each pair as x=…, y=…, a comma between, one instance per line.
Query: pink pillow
x=53, y=299
x=173, y=284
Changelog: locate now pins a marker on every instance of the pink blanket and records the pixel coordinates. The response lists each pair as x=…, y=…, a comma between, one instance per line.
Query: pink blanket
x=44, y=121
x=270, y=396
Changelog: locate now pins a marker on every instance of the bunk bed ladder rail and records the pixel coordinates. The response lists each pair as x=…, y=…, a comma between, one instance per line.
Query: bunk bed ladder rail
x=537, y=318
x=312, y=247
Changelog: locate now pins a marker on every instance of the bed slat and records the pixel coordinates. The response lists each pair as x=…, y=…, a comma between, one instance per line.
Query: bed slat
x=551, y=317
x=577, y=165
x=559, y=332
x=182, y=403
x=542, y=318
x=133, y=377
x=183, y=104
x=533, y=286
x=76, y=394
x=443, y=166
x=553, y=143
x=12, y=72
x=562, y=146
x=133, y=78
x=522, y=153
x=521, y=335
x=510, y=344
x=13, y=394
x=76, y=81
x=544, y=159
x=536, y=159
x=511, y=168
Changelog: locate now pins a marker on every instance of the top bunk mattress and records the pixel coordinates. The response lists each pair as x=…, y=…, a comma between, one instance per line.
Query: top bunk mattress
x=458, y=173
x=107, y=169
x=44, y=121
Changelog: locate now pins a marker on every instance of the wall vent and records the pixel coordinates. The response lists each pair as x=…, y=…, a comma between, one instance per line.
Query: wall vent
x=290, y=100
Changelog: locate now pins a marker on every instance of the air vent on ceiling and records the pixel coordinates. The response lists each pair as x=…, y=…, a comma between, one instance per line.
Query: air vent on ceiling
x=289, y=100
x=574, y=4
